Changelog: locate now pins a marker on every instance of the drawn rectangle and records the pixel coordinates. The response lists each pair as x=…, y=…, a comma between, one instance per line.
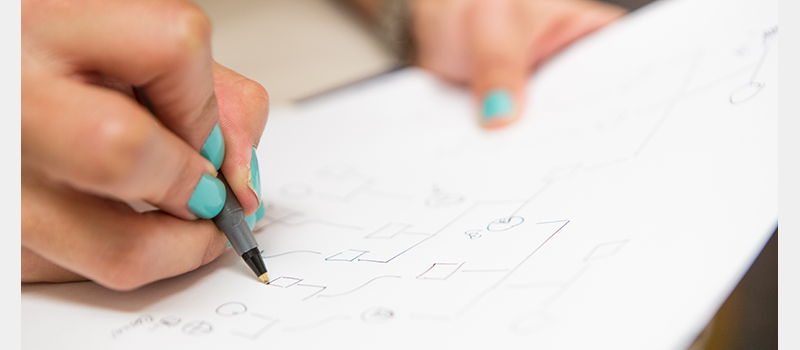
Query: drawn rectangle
x=284, y=282
x=440, y=271
x=349, y=255
x=388, y=231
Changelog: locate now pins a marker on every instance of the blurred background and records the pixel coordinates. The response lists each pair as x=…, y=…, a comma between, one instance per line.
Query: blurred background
x=298, y=49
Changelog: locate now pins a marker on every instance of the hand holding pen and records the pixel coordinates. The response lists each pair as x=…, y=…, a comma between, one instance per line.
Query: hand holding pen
x=88, y=146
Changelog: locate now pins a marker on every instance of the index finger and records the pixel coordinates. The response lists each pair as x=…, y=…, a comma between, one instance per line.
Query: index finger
x=162, y=45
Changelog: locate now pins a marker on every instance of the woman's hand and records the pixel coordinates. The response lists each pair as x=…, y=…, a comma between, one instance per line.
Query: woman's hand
x=494, y=45
x=88, y=146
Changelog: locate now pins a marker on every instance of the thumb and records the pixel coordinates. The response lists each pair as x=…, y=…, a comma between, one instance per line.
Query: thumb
x=499, y=67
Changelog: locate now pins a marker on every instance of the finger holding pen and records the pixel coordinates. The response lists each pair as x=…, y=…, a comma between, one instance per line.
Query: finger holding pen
x=87, y=144
x=118, y=150
x=119, y=248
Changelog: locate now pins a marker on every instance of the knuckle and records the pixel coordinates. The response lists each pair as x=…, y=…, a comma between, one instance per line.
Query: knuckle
x=254, y=93
x=124, y=270
x=191, y=28
x=119, y=146
x=182, y=183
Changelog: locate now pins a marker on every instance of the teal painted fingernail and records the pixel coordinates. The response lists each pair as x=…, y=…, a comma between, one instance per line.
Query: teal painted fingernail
x=255, y=217
x=208, y=197
x=497, y=104
x=251, y=220
x=214, y=147
x=260, y=212
x=255, y=174
x=229, y=244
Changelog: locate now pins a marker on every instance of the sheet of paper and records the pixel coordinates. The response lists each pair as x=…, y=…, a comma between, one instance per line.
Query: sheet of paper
x=618, y=213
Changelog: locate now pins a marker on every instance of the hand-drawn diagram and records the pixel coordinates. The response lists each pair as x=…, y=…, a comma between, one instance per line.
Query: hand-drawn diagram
x=503, y=224
x=605, y=250
x=377, y=315
x=440, y=271
x=372, y=238
x=197, y=328
x=750, y=89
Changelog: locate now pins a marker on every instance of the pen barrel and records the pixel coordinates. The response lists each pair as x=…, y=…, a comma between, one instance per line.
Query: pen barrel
x=231, y=221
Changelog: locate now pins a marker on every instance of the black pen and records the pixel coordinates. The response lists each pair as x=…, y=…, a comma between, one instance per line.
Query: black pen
x=230, y=220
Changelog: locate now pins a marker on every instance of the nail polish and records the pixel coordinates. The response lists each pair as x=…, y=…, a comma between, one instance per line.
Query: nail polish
x=208, y=197
x=255, y=175
x=214, y=147
x=497, y=104
x=255, y=186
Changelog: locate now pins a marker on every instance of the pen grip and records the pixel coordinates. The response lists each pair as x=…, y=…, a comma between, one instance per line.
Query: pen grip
x=231, y=221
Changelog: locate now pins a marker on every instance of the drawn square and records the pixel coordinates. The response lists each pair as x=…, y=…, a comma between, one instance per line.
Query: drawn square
x=284, y=282
x=349, y=255
x=605, y=250
x=440, y=271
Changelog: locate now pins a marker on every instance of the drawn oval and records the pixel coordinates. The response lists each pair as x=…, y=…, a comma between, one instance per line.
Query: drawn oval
x=473, y=234
x=745, y=92
x=503, y=224
x=197, y=328
x=232, y=308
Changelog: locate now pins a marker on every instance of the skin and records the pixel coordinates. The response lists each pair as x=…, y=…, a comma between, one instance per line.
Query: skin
x=88, y=147
x=490, y=44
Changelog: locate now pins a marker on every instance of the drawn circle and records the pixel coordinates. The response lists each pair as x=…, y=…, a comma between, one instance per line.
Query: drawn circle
x=232, y=308
x=473, y=234
x=530, y=323
x=377, y=315
x=506, y=223
x=142, y=319
x=197, y=328
x=746, y=92
x=170, y=321
x=296, y=190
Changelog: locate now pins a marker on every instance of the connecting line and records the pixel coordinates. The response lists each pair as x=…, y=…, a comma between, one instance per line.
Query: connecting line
x=426, y=238
x=432, y=235
x=545, y=186
x=289, y=252
x=563, y=288
x=475, y=300
x=357, y=288
x=672, y=104
x=760, y=63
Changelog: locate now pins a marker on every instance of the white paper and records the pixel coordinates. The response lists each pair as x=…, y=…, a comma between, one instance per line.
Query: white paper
x=618, y=213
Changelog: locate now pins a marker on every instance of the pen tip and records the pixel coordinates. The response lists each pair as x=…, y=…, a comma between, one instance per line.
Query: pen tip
x=264, y=278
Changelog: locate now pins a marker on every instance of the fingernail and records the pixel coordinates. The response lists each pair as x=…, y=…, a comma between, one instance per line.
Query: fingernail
x=253, y=218
x=208, y=197
x=255, y=176
x=260, y=212
x=214, y=147
x=498, y=104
